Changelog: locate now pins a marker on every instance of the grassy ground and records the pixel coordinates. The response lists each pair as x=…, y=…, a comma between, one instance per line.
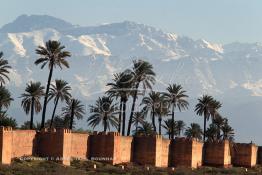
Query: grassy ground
x=87, y=168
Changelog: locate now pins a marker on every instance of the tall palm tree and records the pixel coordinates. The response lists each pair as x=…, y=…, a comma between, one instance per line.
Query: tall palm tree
x=5, y=99
x=31, y=99
x=207, y=106
x=58, y=91
x=53, y=55
x=194, y=131
x=143, y=73
x=177, y=98
x=103, y=111
x=121, y=88
x=162, y=110
x=4, y=69
x=145, y=129
x=139, y=118
x=73, y=108
x=151, y=102
x=179, y=127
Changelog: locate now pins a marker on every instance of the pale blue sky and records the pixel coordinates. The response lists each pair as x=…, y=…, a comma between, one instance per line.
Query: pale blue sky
x=221, y=21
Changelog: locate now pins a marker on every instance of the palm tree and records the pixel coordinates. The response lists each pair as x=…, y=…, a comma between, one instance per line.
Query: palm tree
x=58, y=122
x=228, y=131
x=211, y=132
x=177, y=98
x=218, y=121
x=7, y=121
x=194, y=131
x=151, y=102
x=59, y=91
x=51, y=54
x=73, y=108
x=145, y=129
x=139, y=118
x=143, y=73
x=207, y=107
x=5, y=99
x=161, y=110
x=179, y=126
x=4, y=69
x=168, y=127
x=31, y=99
x=103, y=111
x=121, y=88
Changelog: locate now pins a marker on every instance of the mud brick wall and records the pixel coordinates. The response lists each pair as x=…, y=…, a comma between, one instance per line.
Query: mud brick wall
x=5, y=145
x=110, y=147
x=24, y=143
x=126, y=149
x=245, y=155
x=151, y=150
x=217, y=153
x=79, y=145
x=186, y=153
x=259, y=155
x=55, y=145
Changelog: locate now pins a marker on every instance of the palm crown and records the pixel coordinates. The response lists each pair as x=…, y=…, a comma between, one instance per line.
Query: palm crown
x=4, y=69
x=52, y=54
x=74, y=108
x=5, y=98
x=103, y=111
x=194, y=131
x=59, y=91
x=34, y=91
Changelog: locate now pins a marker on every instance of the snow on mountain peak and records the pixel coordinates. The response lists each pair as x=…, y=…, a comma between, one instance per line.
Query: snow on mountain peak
x=25, y=23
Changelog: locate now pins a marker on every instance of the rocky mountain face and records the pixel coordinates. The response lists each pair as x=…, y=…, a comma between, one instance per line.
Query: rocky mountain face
x=232, y=72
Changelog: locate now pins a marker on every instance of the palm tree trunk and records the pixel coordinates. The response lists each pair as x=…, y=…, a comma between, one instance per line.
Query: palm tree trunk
x=132, y=109
x=153, y=119
x=120, y=116
x=105, y=123
x=205, y=121
x=53, y=114
x=160, y=124
x=204, y=139
x=72, y=114
x=173, y=121
x=32, y=113
x=46, y=95
x=136, y=126
x=124, y=118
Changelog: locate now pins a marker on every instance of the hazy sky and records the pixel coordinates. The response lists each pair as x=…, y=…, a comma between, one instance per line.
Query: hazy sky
x=221, y=21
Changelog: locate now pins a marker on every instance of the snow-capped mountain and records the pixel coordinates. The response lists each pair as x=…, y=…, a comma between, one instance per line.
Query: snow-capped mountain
x=230, y=72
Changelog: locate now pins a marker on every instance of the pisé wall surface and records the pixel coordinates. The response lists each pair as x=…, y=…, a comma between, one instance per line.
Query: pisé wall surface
x=217, y=153
x=62, y=146
x=186, y=153
x=110, y=147
x=244, y=154
x=259, y=155
x=151, y=150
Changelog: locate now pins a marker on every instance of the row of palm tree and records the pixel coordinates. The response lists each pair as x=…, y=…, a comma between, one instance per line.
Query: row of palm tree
x=130, y=84
x=126, y=85
x=52, y=55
